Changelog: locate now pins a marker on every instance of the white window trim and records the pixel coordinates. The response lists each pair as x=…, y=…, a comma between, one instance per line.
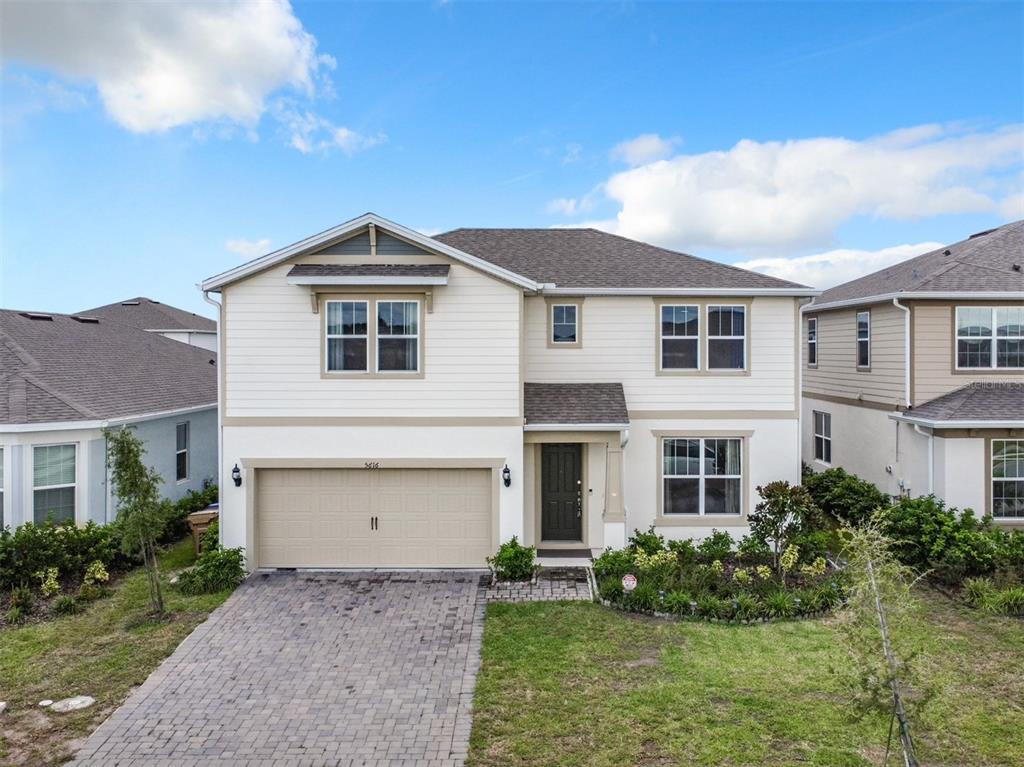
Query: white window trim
x=812, y=341
x=328, y=336
x=993, y=479
x=55, y=487
x=864, y=313
x=575, y=325
x=709, y=338
x=177, y=452
x=822, y=436
x=993, y=338
x=701, y=480
x=377, y=336
x=662, y=337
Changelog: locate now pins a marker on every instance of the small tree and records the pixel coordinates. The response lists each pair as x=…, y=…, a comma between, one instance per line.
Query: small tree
x=784, y=511
x=137, y=491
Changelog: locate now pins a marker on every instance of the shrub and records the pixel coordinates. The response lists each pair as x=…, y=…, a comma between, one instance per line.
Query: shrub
x=613, y=563
x=977, y=591
x=96, y=573
x=844, y=497
x=214, y=571
x=709, y=606
x=48, y=583
x=742, y=577
x=210, y=538
x=66, y=605
x=1009, y=555
x=21, y=597
x=644, y=598
x=718, y=545
x=611, y=589
x=805, y=601
x=752, y=549
x=817, y=543
x=789, y=558
x=678, y=603
x=685, y=551
x=780, y=604
x=649, y=542
x=89, y=592
x=32, y=548
x=829, y=595
x=176, y=513
x=14, y=616
x=748, y=607
x=513, y=562
x=817, y=567
x=1009, y=601
x=784, y=512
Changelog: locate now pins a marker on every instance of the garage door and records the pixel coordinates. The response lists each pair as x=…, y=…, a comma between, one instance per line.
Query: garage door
x=373, y=517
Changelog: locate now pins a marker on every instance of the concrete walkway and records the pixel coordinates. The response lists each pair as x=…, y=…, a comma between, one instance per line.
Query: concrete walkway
x=371, y=669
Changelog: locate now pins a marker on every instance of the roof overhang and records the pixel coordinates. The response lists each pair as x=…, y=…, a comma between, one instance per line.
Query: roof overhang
x=575, y=426
x=972, y=295
x=367, y=280
x=931, y=423
x=339, y=232
x=99, y=423
x=555, y=290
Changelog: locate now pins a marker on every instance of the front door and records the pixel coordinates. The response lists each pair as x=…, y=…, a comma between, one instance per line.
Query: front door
x=561, y=516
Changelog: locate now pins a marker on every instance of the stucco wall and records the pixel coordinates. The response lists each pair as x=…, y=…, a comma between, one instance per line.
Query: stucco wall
x=160, y=438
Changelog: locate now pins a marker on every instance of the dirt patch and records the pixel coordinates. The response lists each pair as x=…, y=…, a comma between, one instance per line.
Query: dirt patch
x=651, y=755
x=639, y=662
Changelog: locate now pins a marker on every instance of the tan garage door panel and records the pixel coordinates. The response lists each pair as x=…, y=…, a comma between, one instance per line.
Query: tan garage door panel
x=321, y=517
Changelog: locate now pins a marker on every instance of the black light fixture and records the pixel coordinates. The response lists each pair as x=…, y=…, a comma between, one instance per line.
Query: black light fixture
x=506, y=476
x=236, y=475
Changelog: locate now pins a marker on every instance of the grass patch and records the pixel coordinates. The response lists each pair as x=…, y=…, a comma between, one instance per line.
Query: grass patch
x=574, y=684
x=104, y=652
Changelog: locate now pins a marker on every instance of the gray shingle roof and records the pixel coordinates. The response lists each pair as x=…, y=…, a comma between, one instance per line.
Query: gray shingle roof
x=979, y=401
x=61, y=369
x=983, y=262
x=147, y=314
x=369, y=270
x=575, y=403
x=588, y=258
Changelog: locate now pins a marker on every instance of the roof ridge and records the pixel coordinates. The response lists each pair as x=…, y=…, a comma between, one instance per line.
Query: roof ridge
x=74, y=405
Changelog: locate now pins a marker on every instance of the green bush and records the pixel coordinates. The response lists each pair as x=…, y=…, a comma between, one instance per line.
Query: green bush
x=216, y=570
x=649, y=542
x=1009, y=601
x=753, y=550
x=644, y=598
x=678, y=603
x=977, y=591
x=210, y=538
x=14, y=616
x=718, y=545
x=66, y=605
x=21, y=597
x=514, y=562
x=685, y=551
x=32, y=548
x=611, y=589
x=709, y=606
x=613, y=563
x=176, y=513
x=780, y=604
x=844, y=497
x=748, y=606
x=90, y=591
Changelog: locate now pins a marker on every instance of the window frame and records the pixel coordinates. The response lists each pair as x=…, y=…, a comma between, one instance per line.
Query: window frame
x=812, y=341
x=72, y=485
x=992, y=479
x=371, y=300
x=403, y=336
x=552, y=303
x=994, y=337
x=866, y=340
x=661, y=338
x=702, y=519
x=186, y=450
x=329, y=336
x=826, y=422
x=708, y=338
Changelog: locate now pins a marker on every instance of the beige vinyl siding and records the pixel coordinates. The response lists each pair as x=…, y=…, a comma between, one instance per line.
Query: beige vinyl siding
x=837, y=374
x=933, y=350
x=620, y=344
x=470, y=351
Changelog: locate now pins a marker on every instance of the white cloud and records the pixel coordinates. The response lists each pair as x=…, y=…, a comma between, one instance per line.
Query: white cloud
x=248, y=248
x=645, y=148
x=824, y=270
x=565, y=206
x=572, y=153
x=779, y=196
x=309, y=132
x=158, y=65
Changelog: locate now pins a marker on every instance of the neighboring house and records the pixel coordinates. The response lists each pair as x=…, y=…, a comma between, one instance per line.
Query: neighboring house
x=155, y=317
x=393, y=399
x=63, y=378
x=914, y=376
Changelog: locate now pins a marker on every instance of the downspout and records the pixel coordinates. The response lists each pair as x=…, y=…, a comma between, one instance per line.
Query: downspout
x=220, y=413
x=931, y=455
x=906, y=349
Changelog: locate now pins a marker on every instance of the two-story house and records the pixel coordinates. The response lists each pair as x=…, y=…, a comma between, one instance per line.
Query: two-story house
x=392, y=399
x=914, y=375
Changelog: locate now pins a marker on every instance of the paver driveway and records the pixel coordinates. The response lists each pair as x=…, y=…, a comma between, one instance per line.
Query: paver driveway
x=312, y=669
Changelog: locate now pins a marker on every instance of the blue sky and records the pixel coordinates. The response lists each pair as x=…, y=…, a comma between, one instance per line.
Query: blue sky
x=147, y=146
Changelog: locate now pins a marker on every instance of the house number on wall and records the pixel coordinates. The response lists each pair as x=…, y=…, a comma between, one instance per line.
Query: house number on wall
x=371, y=465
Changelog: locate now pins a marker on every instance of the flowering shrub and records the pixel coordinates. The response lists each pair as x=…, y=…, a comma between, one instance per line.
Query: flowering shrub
x=96, y=573
x=789, y=558
x=48, y=584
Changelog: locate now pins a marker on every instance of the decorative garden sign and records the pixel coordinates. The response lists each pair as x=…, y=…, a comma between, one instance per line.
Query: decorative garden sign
x=628, y=582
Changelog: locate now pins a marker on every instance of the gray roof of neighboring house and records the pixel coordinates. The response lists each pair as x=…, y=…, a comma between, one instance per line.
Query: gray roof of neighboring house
x=984, y=262
x=575, y=403
x=61, y=369
x=979, y=401
x=588, y=258
x=369, y=270
x=147, y=314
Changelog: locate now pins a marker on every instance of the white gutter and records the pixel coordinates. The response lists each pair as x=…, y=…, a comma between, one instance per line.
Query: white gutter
x=906, y=348
x=881, y=298
x=624, y=441
x=402, y=280
x=100, y=423
x=554, y=290
x=220, y=414
x=577, y=427
x=935, y=424
x=931, y=456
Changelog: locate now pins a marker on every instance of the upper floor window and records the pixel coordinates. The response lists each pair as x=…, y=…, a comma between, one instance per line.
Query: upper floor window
x=564, y=324
x=727, y=340
x=822, y=436
x=680, y=347
x=1008, y=478
x=181, y=452
x=398, y=337
x=701, y=476
x=990, y=337
x=53, y=482
x=863, y=339
x=390, y=345
x=346, y=336
x=812, y=341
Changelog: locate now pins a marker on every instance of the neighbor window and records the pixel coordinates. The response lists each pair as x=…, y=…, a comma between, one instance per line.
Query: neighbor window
x=679, y=337
x=398, y=336
x=727, y=337
x=823, y=436
x=701, y=476
x=812, y=340
x=347, y=336
x=53, y=482
x=181, y=452
x=1008, y=478
x=990, y=337
x=863, y=339
x=564, y=319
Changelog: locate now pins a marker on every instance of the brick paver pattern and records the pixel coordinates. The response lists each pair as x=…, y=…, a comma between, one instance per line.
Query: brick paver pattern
x=371, y=669
x=553, y=584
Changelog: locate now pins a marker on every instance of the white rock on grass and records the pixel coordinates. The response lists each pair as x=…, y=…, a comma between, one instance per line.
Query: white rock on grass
x=3, y=706
x=72, y=704
x=46, y=703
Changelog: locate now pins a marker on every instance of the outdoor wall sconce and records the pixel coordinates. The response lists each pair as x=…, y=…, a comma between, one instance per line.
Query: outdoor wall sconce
x=506, y=476
x=236, y=475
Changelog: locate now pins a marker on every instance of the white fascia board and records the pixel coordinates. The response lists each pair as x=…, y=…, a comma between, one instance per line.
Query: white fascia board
x=963, y=295
x=933, y=424
x=22, y=428
x=575, y=426
x=218, y=281
x=725, y=292
x=366, y=280
x=181, y=330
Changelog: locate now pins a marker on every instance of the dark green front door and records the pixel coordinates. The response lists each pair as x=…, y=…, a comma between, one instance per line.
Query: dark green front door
x=561, y=493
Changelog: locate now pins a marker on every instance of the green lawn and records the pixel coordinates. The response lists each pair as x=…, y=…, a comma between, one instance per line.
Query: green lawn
x=103, y=652
x=579, y=684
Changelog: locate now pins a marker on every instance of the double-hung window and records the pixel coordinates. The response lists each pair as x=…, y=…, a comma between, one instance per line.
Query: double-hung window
x=398, y=336
x=990, y=337
x=812, y=341
x=347, y=336
x=702, y=476
x=181, y=452
x=680, y=343
x=1008, y=478
x=727, y=341
x=863, y=339
x=564, y=323
x=53, y=482
x=373, y=336
x=823, y=436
